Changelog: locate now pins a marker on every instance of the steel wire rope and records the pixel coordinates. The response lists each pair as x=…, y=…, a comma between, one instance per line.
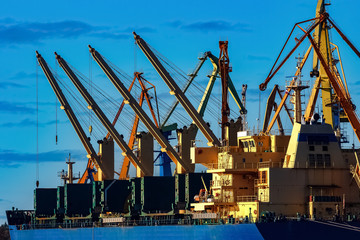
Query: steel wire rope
x=100, y=92
x=174, y=69
x=77, y=106
x=75, y=103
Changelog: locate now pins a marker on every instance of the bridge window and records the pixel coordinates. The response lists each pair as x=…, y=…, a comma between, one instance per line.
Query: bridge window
x=311, y=160
x=327, y=160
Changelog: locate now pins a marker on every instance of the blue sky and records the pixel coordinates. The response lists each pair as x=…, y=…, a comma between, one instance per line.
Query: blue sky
x=256, y=31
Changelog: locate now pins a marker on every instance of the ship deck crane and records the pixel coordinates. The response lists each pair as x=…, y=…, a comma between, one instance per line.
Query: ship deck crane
x=166, y=147
x=90, y=173
x=272, y=106
x=143, y=95
x=92, y=155
x=127, y=151
x=175, y=90
x=341, y=94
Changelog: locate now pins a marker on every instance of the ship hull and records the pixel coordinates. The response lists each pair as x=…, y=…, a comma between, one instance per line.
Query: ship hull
x=278, y=230
x=199, y=232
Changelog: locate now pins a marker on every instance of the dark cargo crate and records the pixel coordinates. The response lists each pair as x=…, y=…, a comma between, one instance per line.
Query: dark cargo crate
x=78, y=199
x=111, y=195
x=135, y=202
x=179, y=188
x=45, y=201
x=60, y=198
x=157, y=194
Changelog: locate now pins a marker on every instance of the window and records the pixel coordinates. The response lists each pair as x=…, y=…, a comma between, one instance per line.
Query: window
x=263, y=177
x=261, y=159
x=311, y=160
x=319, y=160
x=318, y=140
x=244, y=160
x=327, y=160
x=311, y=148
x=325, y=148
x=246, y=144
x=252, y=144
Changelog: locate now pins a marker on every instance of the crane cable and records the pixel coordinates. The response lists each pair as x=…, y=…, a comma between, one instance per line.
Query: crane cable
x=56, y=118
x=90, y=91
x=37, y=125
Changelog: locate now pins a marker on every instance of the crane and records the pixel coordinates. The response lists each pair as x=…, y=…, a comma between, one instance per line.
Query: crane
x=127, y=151
x=175, y=90
x=90, y=173
x=203, y=103
x=92, y=155
x=341, y=94
x=225, y=68
x=322, y=39
x=143, y=95
x=129, y=99
x=272, y=106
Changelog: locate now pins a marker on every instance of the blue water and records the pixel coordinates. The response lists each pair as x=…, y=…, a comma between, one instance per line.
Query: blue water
x=196, y=232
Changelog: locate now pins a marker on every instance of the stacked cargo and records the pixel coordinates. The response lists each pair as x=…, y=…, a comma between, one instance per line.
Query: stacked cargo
x=157, y=194
x=77, y=199
x=60, y=199
x=180, y=191
x=111, y=196
x=45, y=202
x=135, y=202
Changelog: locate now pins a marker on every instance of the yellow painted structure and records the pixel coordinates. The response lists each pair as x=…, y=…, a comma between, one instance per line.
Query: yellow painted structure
x=306, y=173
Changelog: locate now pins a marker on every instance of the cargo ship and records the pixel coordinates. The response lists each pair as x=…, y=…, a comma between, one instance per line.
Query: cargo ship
x=256, y=186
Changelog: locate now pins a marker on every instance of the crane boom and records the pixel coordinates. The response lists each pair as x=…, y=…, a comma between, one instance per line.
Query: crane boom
x=70, y=114
x=345, y=102
x=192, y=77
x=101, y=116
x=166, y=147
x=273, y=71
x=175, y=90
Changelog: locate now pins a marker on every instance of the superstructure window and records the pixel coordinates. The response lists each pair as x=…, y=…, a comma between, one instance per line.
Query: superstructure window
x=311, y=160
x=325, y=148
x=263, y=177
x=252, y=144
x=327, y=160
x=318, y=140
x=311, y=148
x=319, y=160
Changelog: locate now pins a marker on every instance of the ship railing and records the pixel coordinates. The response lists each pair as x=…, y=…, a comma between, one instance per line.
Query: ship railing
x=221, y=183
x=224, y=199
x=269, y=164
x=249, y=198
x=277, y=132
x=244, y=165
x=144, y=222
x=230, y=165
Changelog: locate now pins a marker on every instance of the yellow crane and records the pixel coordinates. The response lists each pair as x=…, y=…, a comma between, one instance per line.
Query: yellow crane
x=129, y=99
x=175, y=90
x=127, y=151
x=92, y=155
